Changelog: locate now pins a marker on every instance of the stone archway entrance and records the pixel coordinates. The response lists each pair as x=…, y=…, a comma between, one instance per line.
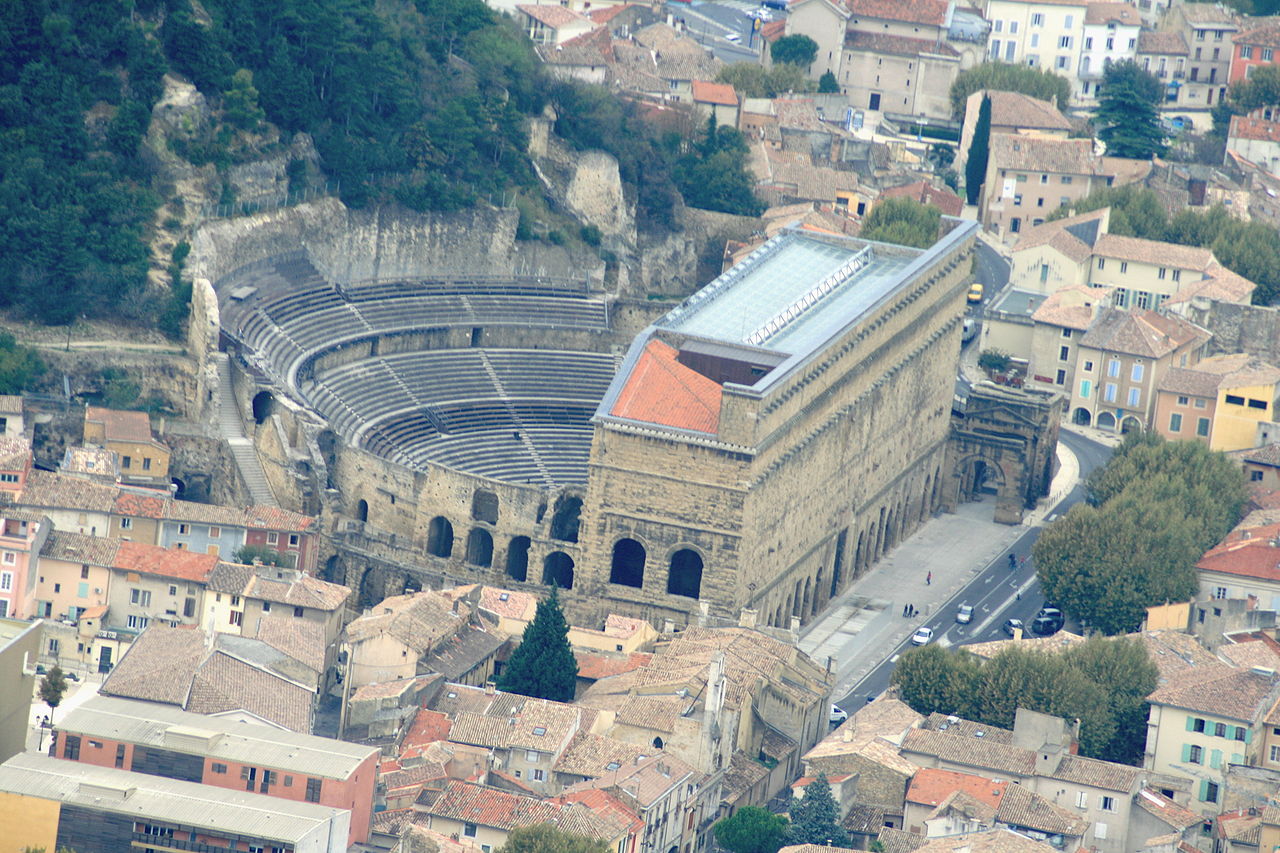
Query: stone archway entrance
x=1082, y=417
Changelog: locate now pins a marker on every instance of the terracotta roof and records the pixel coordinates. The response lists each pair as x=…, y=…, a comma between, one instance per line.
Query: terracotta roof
x=1070, y=307
x=1073, y=236
x=224, y=516
x=419, y=620
x=992, y=841
x=930, y=787
x=1099, y=774
x=1164, y=42
x=597, y=665
x=1267, y=35
x=658, y=713
x=1145, y=334
x=230, y=577
x=552, y=15
x=1121, y=14
x=1209, y=375
x=137, y=505
x=1153, y=252
x=274, y=518
x=11, y=404
x=773, y=31
x=1223, y=691
x=484, y=806
x=1044, y=154
x=1208, y=13
x=594, y=755
x=65, y=491
x=1060, y=641
x=1247, y=552
x=1249, y=653
x=119, y=425
x=93, y=461
x=1014, y=109
x=608, y=13
x=1220, y=284
x=1023, y=807
x=741, y=776
x=714, y=93
x=926, y=193
x=661, y=390
x=1166, y=810
x=898, y=45
x=78, y=548
x=864, y=819
x=158, y=666
x=1242, y=827
x=971, y=751
x=428, y=727
x=1268, y=454
x=304, y=591
x=900, y=840
x=1256, y=129
x=605, y=803
x=166, y=562
x=223, y=683
x=14, y=453
x=932, y=12
x=591, y=48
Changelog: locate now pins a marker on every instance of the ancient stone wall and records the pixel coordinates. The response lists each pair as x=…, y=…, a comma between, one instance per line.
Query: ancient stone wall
x=206, y=468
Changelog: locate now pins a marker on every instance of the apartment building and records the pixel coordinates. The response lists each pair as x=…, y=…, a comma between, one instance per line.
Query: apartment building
x=1011, y=113
x=1165, y=53
x=144, y=460
x=1222, y=401
x=159, y=740
x=1110, y=35
x=22, y=535
x=1257, y=46
x=1208, y=30
x=1040, y=33
x=50, y=804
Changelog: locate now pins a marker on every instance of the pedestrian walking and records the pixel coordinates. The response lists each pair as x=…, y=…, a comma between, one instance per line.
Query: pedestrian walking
x=928, y=579
x=1013, y=561
x=904, y=610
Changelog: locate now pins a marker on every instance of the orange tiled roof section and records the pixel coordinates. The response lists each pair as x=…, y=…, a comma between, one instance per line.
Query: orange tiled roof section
x=912, y=11
x=121, y=425
x=1261, y=130
x=714, y=93
x=661, y=390
x=168, y=562
x=930, y=787
x=926, y=193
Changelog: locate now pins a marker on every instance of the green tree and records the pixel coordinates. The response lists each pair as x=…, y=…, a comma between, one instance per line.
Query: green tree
x=1123, y=666
x=1128, y=111
x=1135, y=211
x=20, y=366
x=543, y=665
x=975, y=167
x=1005, y=77
x=993, y=360
x=752, y=80
x=712, y=175
x=751, y=829
x=248, y=554
x=827, y=84
x=931, y=679
x=941, y=155
x=240, y=102
x=795, y=49
x=904, y=221
x=815, y=817
x=546, y=838
x=52, y=688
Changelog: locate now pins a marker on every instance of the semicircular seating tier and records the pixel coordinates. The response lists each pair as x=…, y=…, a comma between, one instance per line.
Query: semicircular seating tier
x=517, y=415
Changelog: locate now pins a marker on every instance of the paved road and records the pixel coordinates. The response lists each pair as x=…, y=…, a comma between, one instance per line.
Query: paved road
x=991, y=271
x=709, y=23
x=996, y=593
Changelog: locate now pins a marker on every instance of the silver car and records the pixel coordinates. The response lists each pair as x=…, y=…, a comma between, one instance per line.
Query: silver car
x=965, y=614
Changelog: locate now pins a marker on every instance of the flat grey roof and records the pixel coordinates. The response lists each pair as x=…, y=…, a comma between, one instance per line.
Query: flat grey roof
x=190, y=803
x=792, y=293
x=112, y=718
x=1022, y=302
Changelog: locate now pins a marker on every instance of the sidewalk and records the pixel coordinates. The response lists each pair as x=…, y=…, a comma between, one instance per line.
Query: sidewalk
x=865, y=621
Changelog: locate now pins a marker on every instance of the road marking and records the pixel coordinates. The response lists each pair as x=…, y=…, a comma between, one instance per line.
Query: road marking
x=986, y=623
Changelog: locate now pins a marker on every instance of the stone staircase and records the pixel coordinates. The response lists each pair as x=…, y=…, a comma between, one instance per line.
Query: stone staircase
x=232, y=431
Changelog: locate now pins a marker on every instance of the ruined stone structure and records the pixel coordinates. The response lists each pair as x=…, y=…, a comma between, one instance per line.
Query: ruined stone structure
x=1003, y=440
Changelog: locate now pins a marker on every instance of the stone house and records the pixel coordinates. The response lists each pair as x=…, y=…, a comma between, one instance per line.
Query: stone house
x=72, y=503
x=1165, y=53
x=588, y=57
x=942, y=803
x=552, y=24
x=388, y=641
x=718, y=101
x=1244, y=564
x=144, y=460
x=1011, y=112
x=1256, y=140
x=153, y=584
x=1041, y=33
x=1208, y=30
x=661, y=63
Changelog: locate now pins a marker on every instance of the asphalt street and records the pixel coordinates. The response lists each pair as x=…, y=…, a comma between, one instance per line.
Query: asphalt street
x=996, y=593
x=710, y=23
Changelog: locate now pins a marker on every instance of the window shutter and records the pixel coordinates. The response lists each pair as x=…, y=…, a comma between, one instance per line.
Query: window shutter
x=1186, y=752
x=1237, y=758
x=1190, y=723
x=1204, y=791
x=1215, y=758
x=1248, y=735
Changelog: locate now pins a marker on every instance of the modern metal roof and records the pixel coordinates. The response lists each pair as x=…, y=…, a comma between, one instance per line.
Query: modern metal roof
x=146, y=723
x=188, y=803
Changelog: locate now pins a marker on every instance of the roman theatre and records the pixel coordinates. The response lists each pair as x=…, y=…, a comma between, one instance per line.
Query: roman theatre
x=741, y=455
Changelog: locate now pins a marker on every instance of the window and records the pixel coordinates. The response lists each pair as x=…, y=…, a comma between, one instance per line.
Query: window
x=184, y=528
x=173, y=590
x=1143, y=299
x=531, y=756
x=1064, y=61
x=1175, y=422
x=1064, y=42
x=1235, y=400
x=126, y=523
x=84, y=572
x=236, y=617
x=119, y=755
x=1066, y=179
x=293, y=540
x=469, y=830
x=1257, y=404
x=219, y=768
x=235, y=601
x=1037, y=20
x=215, y=532
x=298, y=612
x=126, y=462
x=1088, y=45
x=999, y=26
x=1219, y=729
x=1240, y=734
x=288, y=781
x=6, y=581
x=273, y=538
x=1182, y=401
x=1063, y=353
x=1082, y=800
x=137, y=622
x=53, y=646
x=1088, y=365
x=1136, y=373
x=1086, y=388
x=8, y=478
x=1219, y=592
x=1255, y=476
x=1107, y=804
x=1210, y=792
x=313, y=790
x=539, y=774
x=1195, y=754
x=146, y=463
x=1197, y=725
x=1134, y=397
x=1113, y=368
x=1109, y=394
x=1060, y=378
x=266, y=607
x=1200, y=404
x=1266, y=54
x=1161, y=274
x=1013, y=26
x=1177, y=275
x=1246, y=51
x=141, y=597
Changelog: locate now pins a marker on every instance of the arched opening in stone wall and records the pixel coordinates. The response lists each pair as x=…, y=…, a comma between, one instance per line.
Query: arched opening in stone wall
x=518, y=558
x=362, y=510
x=1081, y=416
x=1130, y=424
x=628, y=563
x=557, y=569
x=412, y=585
x=179, y=487
x=484, y=506
x=440, y=537
x=480, y=547
x=657, y=743
x=564, y=522
x=372, y=588
x=685, y=575
x=1106, y=420
x=837, y=562
x=263, y=405
x=333, y=571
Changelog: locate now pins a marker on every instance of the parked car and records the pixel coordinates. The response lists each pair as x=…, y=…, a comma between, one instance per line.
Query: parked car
x=922, y=637
x=838, y=715
x=1048, y=621
x=969, y=330
x=965, y=614
x=1012, y=626
x=975, y=292
x=733, y=38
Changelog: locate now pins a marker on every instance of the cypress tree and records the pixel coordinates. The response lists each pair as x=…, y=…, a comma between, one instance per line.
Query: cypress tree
x=543, y=665
x=975, y=168
x=815, y=819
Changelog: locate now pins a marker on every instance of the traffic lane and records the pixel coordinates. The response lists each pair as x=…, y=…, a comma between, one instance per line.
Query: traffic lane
x=1089, y=453
x=992, y=269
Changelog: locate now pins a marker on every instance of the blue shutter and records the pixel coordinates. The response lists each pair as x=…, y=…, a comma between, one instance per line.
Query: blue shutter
x=1248, y=735
x=1186, y=752
x=1237, y=758
x=1204, y=791
x=1190, y=724
x=1215, y=758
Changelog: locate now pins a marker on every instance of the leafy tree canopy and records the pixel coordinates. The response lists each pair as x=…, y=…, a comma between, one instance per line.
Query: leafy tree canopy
x=543, y=665
x=1128, y=104
x=1006, y=77
x=795, y=49
x=20, y=366
x=711, y=175
x=752, y=80
x=827, y=84
x=904, y=221
x=53, y=687
x=248, y=554
x=546, y=838
x=751, y=829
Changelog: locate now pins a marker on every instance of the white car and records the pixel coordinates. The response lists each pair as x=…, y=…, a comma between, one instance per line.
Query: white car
x=965, y=614
x=762, y=14
x=733, y=38
x=838, y=715
x=922, y=637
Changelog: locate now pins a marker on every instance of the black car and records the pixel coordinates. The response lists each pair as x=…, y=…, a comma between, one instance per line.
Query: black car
x=1048, y=621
